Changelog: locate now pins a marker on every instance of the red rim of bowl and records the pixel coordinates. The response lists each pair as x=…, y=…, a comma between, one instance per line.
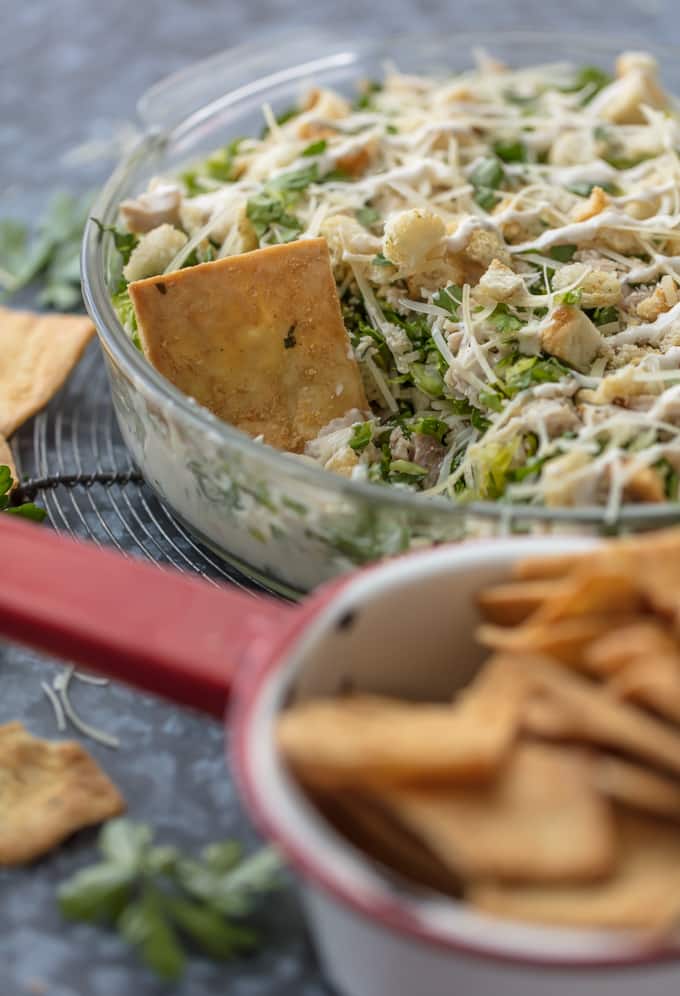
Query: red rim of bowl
x=383, y=909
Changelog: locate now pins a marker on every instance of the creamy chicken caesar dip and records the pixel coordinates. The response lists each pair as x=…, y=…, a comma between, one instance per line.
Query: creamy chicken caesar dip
x=506, y=250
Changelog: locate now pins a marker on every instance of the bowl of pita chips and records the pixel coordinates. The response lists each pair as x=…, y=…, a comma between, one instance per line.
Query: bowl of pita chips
x=244, y=358
x=473, y=763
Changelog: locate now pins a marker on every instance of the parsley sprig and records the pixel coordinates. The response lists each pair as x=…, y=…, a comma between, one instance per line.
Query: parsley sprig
x=158, y=898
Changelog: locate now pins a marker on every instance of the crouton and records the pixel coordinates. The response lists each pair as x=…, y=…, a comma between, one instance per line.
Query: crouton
x=624, y=384
x=483, y=247
x=326, y=104
x=595, y=204
x=663, y=298
x=572, y=337
x=644, y=486
x=357, y=162
x=599, y=288
x=500, y=283
x=154, y=252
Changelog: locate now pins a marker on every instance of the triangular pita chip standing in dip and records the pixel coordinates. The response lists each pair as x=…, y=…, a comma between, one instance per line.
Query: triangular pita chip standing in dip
x=256, y=338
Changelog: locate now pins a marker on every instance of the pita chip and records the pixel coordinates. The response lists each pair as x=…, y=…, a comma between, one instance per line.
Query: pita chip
x=257, y=338
x=512, y=603
x=596, y=716
x=37, y=353
x=367, y=740
x=48, y=790
x=646, y=637
x=565, y=639
x=637, y=787
x=652, y=681
x=541, y=819
x=643, y=892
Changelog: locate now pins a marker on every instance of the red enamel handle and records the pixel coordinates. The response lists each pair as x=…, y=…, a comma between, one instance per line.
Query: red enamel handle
x=155, y=628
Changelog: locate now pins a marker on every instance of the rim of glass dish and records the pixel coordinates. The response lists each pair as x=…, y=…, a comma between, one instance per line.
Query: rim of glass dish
x=97, y=300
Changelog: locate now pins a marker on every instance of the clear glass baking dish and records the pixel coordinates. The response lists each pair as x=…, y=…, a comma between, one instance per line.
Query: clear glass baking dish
x=275, y=517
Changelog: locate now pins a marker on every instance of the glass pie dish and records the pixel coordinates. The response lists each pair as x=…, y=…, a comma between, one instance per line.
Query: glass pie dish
x=277, y=518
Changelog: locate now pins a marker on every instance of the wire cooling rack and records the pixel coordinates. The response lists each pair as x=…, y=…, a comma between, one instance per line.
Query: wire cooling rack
x=73, y=462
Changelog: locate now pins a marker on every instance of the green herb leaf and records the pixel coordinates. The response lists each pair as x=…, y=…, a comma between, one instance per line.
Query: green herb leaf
x=591, y=77
x=361, y=436
x=449, y=298
x=368, y=216
x=237, y=892
x=486, y=177
x=148, y=891
x=604, y=316
x=226, y=854
x=492, y=400
x=97, y=894
x=316, y=148
x=144, y=925
x=296, y=180
x=213, y=934
x=381, y=260
x=562, y=254
x=27, y=510
x=430, y=426
x=269, y=218
x=504, y=321
x=428, y=379
x=364, y=101
x=511, y=150
x=407, y=468
x=521, y=372
x=125, y=842
x=52, y=256
x=572, y=297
